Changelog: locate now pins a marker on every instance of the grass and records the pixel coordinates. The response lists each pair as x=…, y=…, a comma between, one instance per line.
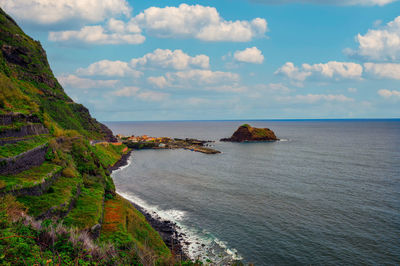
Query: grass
x=29, y=178
x=61, y=192
x=107, y=153
x=14, y=126
x=121, y=216
x=10, y=150
x=29, y=87
x=88, y=209
x=114, y=216
x=12, y=99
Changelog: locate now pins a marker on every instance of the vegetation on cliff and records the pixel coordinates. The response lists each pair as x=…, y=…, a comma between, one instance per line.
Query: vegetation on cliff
x=61, y=207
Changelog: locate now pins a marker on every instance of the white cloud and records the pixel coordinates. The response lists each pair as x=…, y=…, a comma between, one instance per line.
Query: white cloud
x=201, y=77
x=200, y=22
x=56, y=11
x=153, y=96
x=160, y=82
x=380, y=44
x=126, y=91
x=96, y=35
x=336, y=70
x=76, y=82
x=249, y=55
x=195, y=78
x=352, y=90
x=273, y=87
x=331, y=70
x=293, y=72
x=387, y=94
x=389, y=70
x=330, y=2
x=115, y=25
x=312, y=98
x=135, y=92
x=176, y=59
x=158, y=59
x=226, y=88
x=109, y=68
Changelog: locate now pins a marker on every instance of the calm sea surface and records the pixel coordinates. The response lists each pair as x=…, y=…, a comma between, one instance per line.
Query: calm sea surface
x=328, y=193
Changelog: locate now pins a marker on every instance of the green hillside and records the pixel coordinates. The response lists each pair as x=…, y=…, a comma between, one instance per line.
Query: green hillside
x=57, y=200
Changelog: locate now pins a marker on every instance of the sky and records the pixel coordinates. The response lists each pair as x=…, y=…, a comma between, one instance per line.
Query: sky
x=130, y=60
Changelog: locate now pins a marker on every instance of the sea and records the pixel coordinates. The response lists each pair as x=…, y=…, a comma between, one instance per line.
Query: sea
x=327, y=193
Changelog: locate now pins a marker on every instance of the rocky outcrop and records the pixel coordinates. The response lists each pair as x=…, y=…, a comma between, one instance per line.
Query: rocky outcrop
x=23, y=161
x=8, y=119
x=248, y=133
x=16, y=55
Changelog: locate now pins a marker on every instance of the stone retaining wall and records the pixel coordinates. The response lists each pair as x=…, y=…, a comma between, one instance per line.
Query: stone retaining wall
x=27, y=130
x=35, y=190
x=23, y=161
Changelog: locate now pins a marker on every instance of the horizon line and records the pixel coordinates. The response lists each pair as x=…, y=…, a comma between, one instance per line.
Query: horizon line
x=255, y=120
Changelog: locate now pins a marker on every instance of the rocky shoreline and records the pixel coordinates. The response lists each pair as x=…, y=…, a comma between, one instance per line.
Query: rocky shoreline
x=167, y=229
x=122, y=162
x=168, y=232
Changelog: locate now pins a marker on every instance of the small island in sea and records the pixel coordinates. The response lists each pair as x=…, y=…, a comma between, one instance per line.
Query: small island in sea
x=248, y=133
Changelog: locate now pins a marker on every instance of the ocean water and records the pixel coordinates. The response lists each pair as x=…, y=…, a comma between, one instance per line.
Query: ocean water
x=328, y=193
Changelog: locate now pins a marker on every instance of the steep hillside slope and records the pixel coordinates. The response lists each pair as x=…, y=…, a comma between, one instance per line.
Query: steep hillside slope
x=29, y=86
x=57, y=200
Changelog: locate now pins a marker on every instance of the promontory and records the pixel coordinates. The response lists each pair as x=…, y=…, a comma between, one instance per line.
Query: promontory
x=248, y=133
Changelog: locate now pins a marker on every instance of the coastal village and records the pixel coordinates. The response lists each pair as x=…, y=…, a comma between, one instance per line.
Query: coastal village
x=147, y=142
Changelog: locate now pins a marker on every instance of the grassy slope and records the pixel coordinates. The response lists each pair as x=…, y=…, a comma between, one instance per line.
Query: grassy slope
x=124, y=225
x=29, y=87
x=29, y=177
x=10, y=150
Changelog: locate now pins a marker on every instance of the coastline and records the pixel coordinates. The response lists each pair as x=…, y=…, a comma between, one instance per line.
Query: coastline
x=167, y=229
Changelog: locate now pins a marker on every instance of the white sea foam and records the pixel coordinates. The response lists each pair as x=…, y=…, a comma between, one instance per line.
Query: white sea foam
x=128, y=163
x=197, y=244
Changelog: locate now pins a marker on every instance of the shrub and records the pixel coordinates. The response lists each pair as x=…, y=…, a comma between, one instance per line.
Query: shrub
x=69, y=172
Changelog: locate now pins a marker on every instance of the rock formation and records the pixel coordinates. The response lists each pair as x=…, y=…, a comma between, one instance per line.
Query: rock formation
x=248, y=133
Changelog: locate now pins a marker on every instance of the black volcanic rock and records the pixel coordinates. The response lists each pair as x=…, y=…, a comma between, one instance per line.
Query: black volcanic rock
x=248, y=133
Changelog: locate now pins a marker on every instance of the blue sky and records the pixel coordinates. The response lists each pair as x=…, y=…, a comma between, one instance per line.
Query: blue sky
x=229, y=59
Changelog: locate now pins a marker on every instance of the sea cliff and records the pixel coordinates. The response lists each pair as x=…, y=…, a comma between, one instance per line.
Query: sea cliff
x=58, y=203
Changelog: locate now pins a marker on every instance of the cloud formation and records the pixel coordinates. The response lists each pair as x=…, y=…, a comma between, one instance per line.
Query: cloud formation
x=195, y=77
x=249, y=55
x=75, y=82
x=131, y=91
x=185, y=21
x=388, y=70
x=329, y=2
x=199, y=22
x=387, y=94
x=313, y=98
x=51, y=12
x=158, y=59
x=198, y=78
x=331, y=70
x=110, y=69
x=380, y=44
x=153, y=96
x=98, y=35
x=176, y=59
x=126, y=92
x=292, y=72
